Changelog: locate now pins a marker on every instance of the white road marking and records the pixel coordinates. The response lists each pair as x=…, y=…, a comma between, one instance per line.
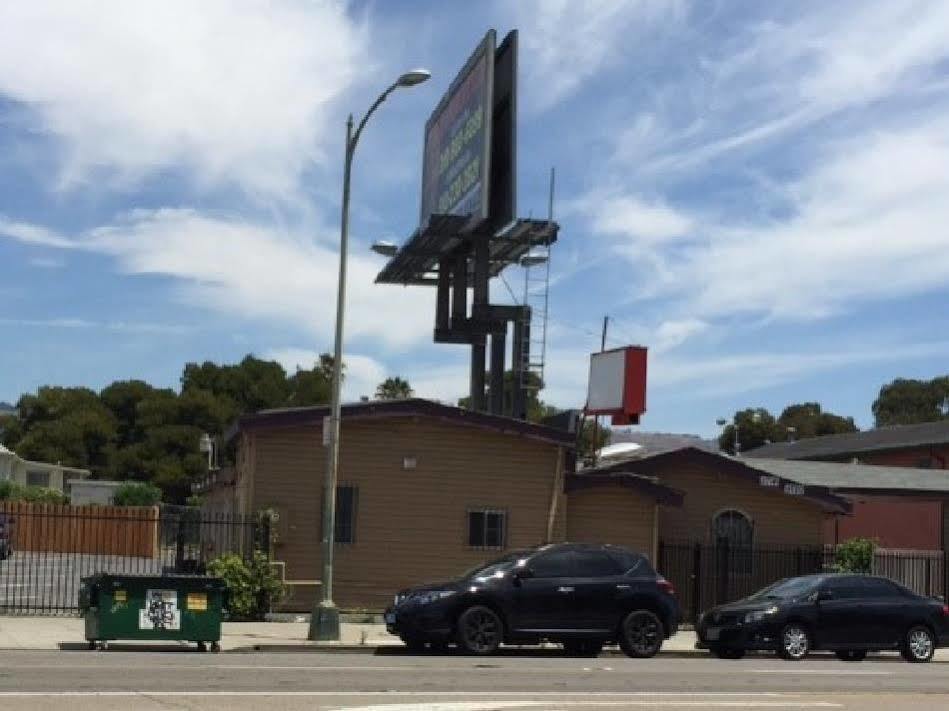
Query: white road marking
x=828, y=672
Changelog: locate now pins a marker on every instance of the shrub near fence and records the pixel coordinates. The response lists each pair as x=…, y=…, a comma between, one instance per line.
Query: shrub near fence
x=101, y=530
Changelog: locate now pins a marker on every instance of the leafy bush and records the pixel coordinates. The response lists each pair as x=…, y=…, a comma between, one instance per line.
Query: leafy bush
x=136, y=493
x=194, y=501
x=11, y=491
x=252, y=588
x=855, y=555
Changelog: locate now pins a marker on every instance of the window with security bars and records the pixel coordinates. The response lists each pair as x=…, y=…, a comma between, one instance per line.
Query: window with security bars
x=487, y=528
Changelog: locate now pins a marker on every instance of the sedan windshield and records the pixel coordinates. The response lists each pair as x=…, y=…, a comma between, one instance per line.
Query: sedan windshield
x=787, y=589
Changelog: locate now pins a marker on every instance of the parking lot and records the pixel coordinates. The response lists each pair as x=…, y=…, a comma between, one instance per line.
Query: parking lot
x=41, y=582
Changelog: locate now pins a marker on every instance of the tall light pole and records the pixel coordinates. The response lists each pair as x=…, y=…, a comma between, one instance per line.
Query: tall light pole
x=324, y=623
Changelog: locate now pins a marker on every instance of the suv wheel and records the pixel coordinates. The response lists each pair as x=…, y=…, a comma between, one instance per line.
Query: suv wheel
x=582, y=648
x=480, y=630
x=795, y=642
x=918, y=645
x=641, y=634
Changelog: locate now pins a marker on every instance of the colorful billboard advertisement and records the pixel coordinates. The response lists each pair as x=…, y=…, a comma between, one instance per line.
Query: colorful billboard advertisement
x=456, y=166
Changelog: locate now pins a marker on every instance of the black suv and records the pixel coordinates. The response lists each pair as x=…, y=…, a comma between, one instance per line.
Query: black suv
x=847, y=614
x=580, y=595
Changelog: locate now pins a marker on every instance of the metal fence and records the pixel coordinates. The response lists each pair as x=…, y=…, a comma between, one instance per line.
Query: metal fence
x=705, y=576
x=53, y=547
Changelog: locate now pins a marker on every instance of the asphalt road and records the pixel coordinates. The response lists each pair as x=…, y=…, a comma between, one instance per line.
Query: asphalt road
x=112, y=680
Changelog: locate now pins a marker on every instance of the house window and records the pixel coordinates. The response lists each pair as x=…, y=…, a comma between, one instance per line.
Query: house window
x=347, y=504
x=487, y=528
x=37, y=478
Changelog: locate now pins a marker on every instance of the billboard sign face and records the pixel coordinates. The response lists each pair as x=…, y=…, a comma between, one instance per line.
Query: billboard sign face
x=456, y=166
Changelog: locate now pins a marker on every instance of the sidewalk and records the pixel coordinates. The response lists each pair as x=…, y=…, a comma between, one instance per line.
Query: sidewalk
x=54, y=633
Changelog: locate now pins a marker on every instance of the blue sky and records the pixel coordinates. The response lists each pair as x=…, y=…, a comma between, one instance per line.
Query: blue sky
x=757, y=191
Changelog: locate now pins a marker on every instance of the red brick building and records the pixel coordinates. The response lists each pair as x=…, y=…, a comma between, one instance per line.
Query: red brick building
x=904, y=518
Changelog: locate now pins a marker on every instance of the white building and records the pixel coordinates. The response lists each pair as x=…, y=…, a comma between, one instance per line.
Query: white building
x=26, y=473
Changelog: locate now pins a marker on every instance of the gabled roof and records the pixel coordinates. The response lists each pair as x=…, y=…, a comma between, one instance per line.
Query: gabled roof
x=410, y=407
x=814, y=492
x=855, y=443
x=648, y=486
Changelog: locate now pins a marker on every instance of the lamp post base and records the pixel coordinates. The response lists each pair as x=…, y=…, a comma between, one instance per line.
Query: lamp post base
x=324, y=624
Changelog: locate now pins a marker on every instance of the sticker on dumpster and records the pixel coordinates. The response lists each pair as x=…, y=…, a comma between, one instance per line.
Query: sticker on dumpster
x=197, y=601
x=120, y=596
x=161, y=611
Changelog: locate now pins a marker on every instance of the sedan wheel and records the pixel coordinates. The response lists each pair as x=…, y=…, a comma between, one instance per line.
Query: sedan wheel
x=641, y=634
x=852, y=655
x=795, y=642
x=918, y=645
x=480, y=631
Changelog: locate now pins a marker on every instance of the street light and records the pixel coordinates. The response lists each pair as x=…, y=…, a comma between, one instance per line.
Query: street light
x=324, y=622
x=385, y=248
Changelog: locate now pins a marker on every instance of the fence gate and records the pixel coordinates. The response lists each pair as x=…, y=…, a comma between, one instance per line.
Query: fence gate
x=52, y=547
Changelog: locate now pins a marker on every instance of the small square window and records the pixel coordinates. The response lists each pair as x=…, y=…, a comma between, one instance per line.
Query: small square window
x=37, y=478
x=487, y=528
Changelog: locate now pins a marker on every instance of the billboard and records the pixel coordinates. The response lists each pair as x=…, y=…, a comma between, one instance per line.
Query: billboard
x=457, y=157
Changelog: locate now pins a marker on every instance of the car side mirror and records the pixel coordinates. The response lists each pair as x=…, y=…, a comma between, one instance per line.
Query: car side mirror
x=523, y=573
x=822, y=595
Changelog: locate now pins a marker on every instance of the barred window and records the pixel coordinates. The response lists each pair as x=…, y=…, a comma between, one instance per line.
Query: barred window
x=487, y=528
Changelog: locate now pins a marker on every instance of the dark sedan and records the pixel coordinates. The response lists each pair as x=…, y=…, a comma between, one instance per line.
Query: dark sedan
x=581, y=596
x=847, y=614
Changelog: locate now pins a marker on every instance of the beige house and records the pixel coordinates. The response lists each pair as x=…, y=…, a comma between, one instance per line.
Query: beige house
x=426, y=491
x=26, y=473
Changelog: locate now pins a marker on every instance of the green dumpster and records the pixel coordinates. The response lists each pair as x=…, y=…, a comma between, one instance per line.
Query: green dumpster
x=152, y=607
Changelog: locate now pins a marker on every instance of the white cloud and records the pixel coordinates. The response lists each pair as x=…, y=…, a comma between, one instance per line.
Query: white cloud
x=255, y=272
x=869, y=224
x=47, y=262
x=641, y=220
x=236, y=91
x=33, y=234
x=567, y=42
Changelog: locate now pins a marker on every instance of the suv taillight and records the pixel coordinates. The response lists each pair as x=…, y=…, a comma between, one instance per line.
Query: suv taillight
x=945, y=610
x=665, y=585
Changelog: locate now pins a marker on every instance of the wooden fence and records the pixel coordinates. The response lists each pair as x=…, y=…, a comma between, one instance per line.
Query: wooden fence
x=101, y=530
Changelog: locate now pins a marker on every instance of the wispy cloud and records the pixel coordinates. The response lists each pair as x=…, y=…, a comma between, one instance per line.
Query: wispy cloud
x=232, y=92
x=79, y=323
x=33, y=234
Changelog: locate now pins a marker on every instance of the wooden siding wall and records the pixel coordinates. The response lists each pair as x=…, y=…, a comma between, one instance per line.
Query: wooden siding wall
x=778, y=519
x=612, y=515
x=411, y=524
x=102, y=530
x=905, y=523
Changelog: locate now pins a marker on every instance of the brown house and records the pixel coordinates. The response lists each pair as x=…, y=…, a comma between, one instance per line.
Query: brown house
x=426, y=491
x=723, y=497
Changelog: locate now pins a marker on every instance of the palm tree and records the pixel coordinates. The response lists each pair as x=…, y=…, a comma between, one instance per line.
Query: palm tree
x=394, y=389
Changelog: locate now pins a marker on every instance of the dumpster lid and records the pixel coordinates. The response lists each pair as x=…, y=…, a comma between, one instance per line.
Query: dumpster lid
x=156, y=580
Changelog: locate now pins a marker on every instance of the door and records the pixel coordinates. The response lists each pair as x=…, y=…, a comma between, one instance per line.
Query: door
x=884, y=606
x=543, y=602
x=598, y=586
x=841, y=616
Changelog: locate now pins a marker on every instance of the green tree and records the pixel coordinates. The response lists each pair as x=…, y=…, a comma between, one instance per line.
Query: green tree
x=394, y=389
x=313, y=386
x=252, y=385
x=67, y=425
x=135, y=493
x=808, y=420
x=591, y=440
x=756, y=426
x=908, y=402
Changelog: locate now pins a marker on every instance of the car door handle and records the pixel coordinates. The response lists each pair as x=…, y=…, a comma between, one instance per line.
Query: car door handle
x=622, y=587
x=565, y=590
